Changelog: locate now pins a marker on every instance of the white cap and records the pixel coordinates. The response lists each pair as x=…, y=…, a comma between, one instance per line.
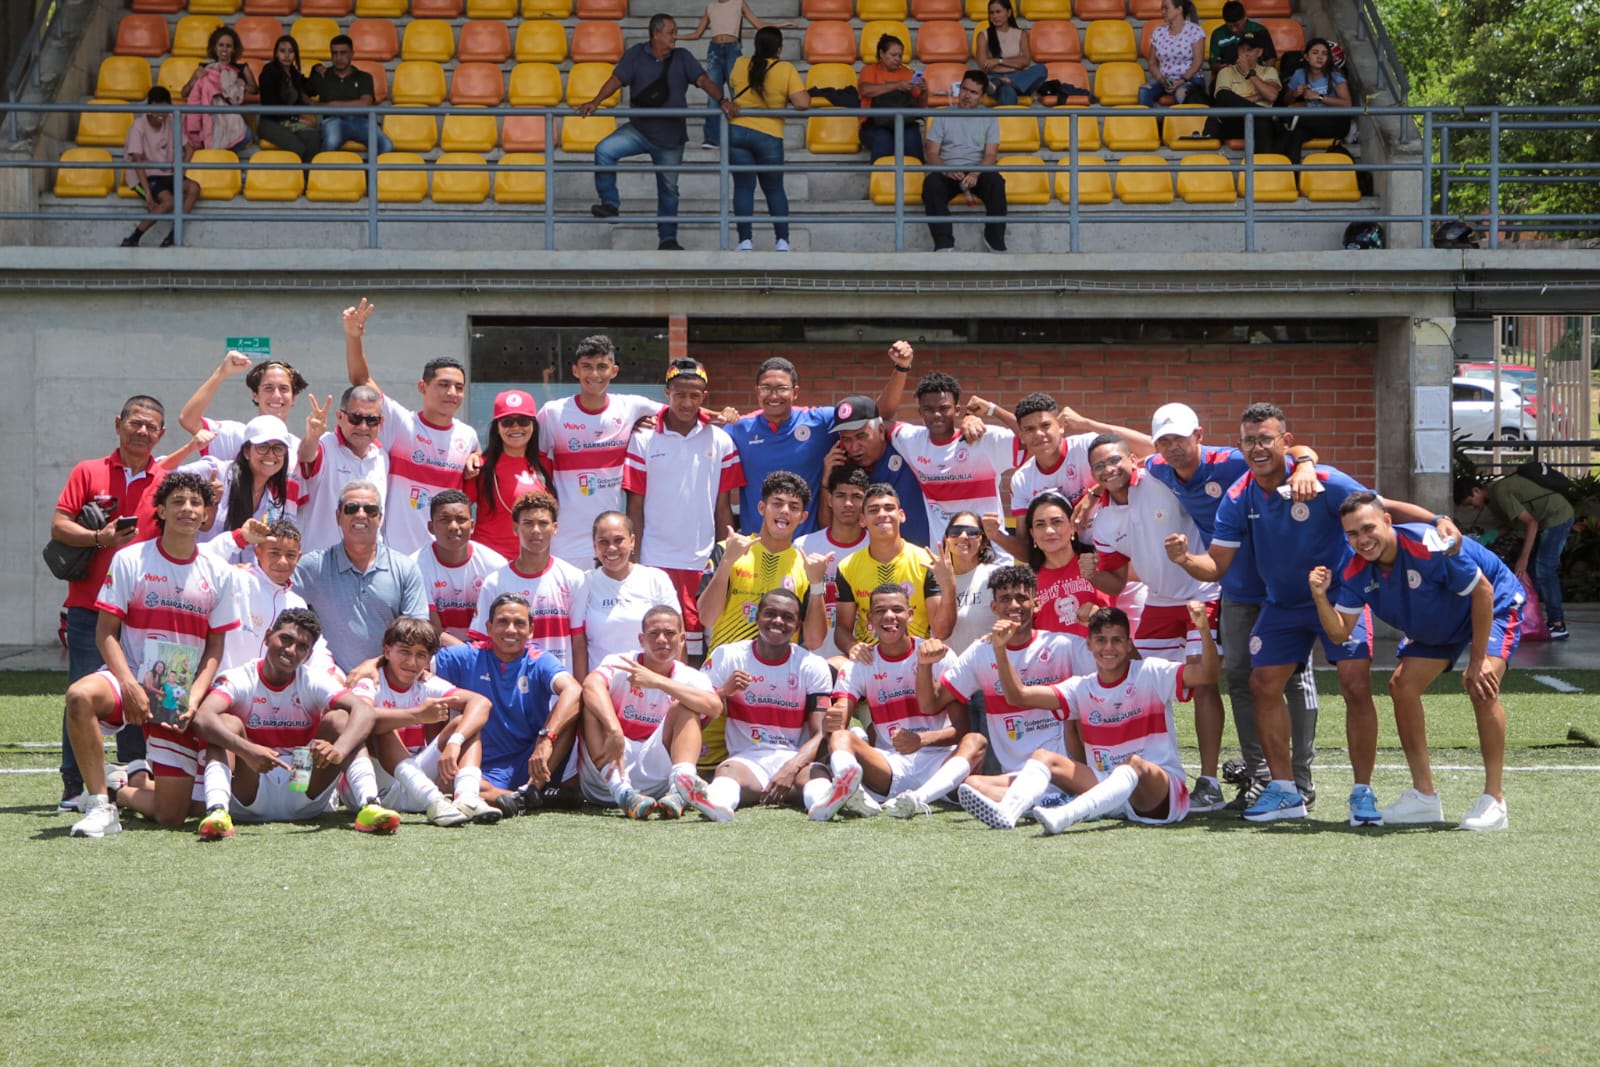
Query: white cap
x=1178, y=419
x=264, y=429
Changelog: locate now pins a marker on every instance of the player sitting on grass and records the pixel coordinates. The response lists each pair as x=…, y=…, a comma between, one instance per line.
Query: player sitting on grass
x=1444, y=604
x=1124, y=713
x=640, y=727
x=408, y=738
x=256, y=716
x=919, y=752
x=775, y=693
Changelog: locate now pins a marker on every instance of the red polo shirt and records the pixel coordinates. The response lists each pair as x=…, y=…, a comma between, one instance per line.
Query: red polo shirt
x=106, y=482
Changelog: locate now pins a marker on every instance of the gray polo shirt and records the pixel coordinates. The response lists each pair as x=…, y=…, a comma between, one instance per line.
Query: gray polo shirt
x=639, y=68
x=355, y=607
x=961, y=134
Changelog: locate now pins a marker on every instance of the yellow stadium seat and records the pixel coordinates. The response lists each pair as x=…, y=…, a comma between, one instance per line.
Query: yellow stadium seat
x=1092, y=10
x=493, y=9
x=333, y=9
x=541, y=41
x=833, y=135
x=104, y=128
x=580, y=134
x=1177, y=130
x=477, y=85
x=546, y=9
x=1018, y=133
x=213, y=7
x=1108, y=40
x=142, y=35
x=941, y=42
x=871, y=31
x=828, y=41
x=1206, y=186
x=274, y=184
x=1135, y=131
x=1144, y=186
x=535, y=85
x=460, y=178
x=977, y=10
x=1025, y=186
x=429, y=39
x=435, y=9
x=1058, y=131
x=881, y=10
x=1032, y=10
x=935, y=10
x=596, y=41
x=418, y=83
x=1053, y=40
x=375, y=39
x=313, y=35
x=124, y=78
x=412, y=133
x=398, y=182
x=881, y=185
x=1328, y=176
x=585, y=79
x=524, y=133
x=85, y=181
x=1209, y=26
x=216, y=184
x=1118, y=82
x=484, y=41
x=336, y=185
x=1271, y=186
x=519, y=186
x=829, y=76
x=381, y=9
x=175, y=72
x=466, y=132
x=1093, y=181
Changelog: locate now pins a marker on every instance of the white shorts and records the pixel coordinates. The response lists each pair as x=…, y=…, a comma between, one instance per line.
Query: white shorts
x=763, y=761
x=647, y=764
x=276, y=802
x=1177, y=802
x=911, y=772
x=392, y=792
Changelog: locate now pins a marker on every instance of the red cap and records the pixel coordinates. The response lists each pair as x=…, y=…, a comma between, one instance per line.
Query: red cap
x=514, y=402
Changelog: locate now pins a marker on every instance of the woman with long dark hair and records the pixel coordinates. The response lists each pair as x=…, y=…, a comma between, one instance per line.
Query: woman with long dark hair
x=256, y=484
x=762, y=82
x=1047, y=532
x=509, y=469
x=1004, y=55
x=284, y=84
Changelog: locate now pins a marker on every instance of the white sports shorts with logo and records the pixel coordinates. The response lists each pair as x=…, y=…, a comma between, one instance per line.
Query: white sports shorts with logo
x=276, y=802
x=763, y=761
x=647, y=763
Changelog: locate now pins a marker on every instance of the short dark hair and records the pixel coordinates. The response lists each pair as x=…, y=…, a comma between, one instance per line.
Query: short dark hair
x=1013, y=574
x=195, y=483
x=1232, y=11
x=939, y=382
x=849, y=474
x=508, y=598
x=1105, y=439
x=283, y=530
x=297, y=381
x=786, y=482
x=303, y=619
x=1048, y=498
x=885, y=589
x=604, y=515
x=659, y=20
x=1464, y=487
x=1108, y=616
x=340, y=39
x=444, y=499
x=537, y=500
x=778, y=363
x=881, y=489
x=158, y=94
x=986, y=551
x=431, y=369
x=1261, y=411
x=780, y=592
x=887, y=39
x=661, y=609
x=409, y=631
x=140, y=400
x=1360, y=499
x=1034, y=403
x=978, y=78
x=598, y=344
x=366, y=394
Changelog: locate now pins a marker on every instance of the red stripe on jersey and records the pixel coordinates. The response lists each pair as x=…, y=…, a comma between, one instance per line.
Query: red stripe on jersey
x=896, y=709
x=455, y=618
x=1148, y=723
x=403, y=467
x=606, y=457
x=732, y=476
x=283, y=736
x=957, y=491
x=171, y=620
x=766, y=714
x=1110, y=561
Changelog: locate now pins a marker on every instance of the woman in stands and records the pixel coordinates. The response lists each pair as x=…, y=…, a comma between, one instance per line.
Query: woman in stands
x=890, y=83
x=284, y=84
x=1316, y=85
x=1004, y=55
x=224, y=78
x=1047, y=531
x=1177, y=56
x=762, y=82
x=509, y=469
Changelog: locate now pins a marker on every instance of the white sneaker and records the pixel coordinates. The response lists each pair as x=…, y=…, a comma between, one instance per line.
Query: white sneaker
x=98, y=821
x=861, y=803
x=782, y=246
x=477, y=809
x=1053, y=818
x=746, y=246
x=443, y=813
x=904, y=806
x=845, y=786
x=1487, y=814
x=1414, y=807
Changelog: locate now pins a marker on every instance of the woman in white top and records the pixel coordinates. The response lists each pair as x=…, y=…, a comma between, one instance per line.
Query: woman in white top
x=972, y=559
x=1177, y=56
x=1004, y=55
x=615, y=595
x=256, y=485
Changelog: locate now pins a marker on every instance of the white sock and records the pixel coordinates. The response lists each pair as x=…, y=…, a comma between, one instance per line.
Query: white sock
x=617, y=783
x=840, y=761
x=951, y=773
x=1031, y=783
x=683, y=768
x=1106, y=797
x=815, y=792
x=469, y=783
x=219, y=784
x=419, y=783
x=1286, y=784
x=724, y=793
x=363, y=783
x=94, y=800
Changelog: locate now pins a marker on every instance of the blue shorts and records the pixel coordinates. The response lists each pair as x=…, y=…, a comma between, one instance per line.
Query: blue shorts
x=1504, y=637
x=1286, y=635
x=507, y=772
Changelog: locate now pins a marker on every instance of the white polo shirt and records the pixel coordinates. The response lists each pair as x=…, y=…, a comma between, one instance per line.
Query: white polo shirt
x=1136, y=532
x=680, y=477
x=334, y=468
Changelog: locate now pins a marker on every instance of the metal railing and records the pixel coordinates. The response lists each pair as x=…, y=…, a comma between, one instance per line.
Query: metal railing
x=26, y=67
x=1391, y=75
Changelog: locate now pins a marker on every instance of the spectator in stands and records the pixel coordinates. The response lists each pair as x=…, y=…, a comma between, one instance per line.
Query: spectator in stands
x=509, y=467
x=958, y=142
x=725, y=19
x=345, y=85
x=658, y=74
x=890, y=83
x=771, y=83
x=1004, y=55
x=1225, y=38
x=1177, y=56
x=1546, y=519
x=223, y=78
x=284, y=84
x=150, y=141
x=1247, y=83
x=1315, y=86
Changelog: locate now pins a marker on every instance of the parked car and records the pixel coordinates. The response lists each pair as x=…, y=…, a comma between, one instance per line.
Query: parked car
x=1472, y=411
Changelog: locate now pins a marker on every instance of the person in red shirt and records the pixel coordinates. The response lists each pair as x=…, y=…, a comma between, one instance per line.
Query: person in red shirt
x=509, y=468
x=1047, y=531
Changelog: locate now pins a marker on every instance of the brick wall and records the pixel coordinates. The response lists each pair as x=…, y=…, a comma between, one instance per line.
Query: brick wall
x=1325, y=389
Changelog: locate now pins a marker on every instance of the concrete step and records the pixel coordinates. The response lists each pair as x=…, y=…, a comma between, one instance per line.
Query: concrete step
x=637, y=185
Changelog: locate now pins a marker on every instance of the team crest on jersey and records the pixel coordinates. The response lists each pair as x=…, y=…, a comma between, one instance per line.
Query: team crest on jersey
x=522, y=685
x=1067, y=609
x=1255, y=644
x=1414, y=579
x=961, y=455
x=896, y=462
x=788, y=582
x=1213, y=490
x=573, y=444
x=1300, y=512
x=1014, y=728
x=802, y=433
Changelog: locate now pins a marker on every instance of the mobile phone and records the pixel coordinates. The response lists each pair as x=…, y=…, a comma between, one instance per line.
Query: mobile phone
x=127, y=522
x=916, y=76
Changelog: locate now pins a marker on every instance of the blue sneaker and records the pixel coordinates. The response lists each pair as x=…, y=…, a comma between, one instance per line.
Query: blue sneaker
x=1364, y=807
x=1274, y=803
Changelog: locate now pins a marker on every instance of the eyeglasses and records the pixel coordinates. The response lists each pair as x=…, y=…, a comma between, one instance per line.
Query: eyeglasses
x=356, y=509
x=963, y=531
x=273, y=448
x=775, y=389
x=1261, y=440
x=361, y=420
x=516, y=420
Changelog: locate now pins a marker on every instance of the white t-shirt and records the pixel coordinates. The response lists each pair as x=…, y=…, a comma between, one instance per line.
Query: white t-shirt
x=167, y=605
x=424, y=459
x=680, y=477
x=772, y=710
x=380, y=694
x=551, y=594
x=642, y=711
x=334, y=468
x=1069, y=477
x=585, y=451
x=610, y=612
x=1137, y=531
x=1015, y=733
x=260, y=601
x=1131, y=718
x=820, y=543
x=284, y=719
x=956, y=476
x=270, y=509
x=974, y=617
x=889, y=686
x=453, y=591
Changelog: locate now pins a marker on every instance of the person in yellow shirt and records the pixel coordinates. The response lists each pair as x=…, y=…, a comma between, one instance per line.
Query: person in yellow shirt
x=888, y=557
x=768, y=83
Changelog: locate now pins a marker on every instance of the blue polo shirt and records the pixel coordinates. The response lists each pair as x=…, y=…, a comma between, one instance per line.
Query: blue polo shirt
x=1425, y=593
x=519, y=693
x=1289, y=538
x=798, y=444
x=1200, y=495
x=356, y=607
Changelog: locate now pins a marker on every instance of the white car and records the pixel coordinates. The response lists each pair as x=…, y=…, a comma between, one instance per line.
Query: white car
x=1472, y=411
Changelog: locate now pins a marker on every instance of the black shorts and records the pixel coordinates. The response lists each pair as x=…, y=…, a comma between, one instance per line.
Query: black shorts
x=160, y=183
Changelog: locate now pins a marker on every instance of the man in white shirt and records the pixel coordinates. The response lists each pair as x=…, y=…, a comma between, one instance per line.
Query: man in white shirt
x=331, y=459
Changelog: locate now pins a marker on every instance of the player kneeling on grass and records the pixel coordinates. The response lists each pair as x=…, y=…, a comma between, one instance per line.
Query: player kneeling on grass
x=1124, y=714
x=256, y=716
x=1443, y=603
x=408, y=738
x=919, y=752
x=776, y=694
x=640, y=727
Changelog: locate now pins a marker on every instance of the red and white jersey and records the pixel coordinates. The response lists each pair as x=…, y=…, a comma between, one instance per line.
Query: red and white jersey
x=270, y=509
x=1069, y=477
x=956, y=476
x=610, y=611
x=162, y=600
x=453, y=591
x=1014, y=733
x=381, y=695
x=284, y=719
x=642, y=711
x=680, y=477
x=229, y=439
x=584, y=451
x=424, y=459
x=889, y=686
x=1136, y=532
x=334, y=468
x=1132, y=717
x=260, y=600
x=772, y=710
x=821, y=542
x=551, y=594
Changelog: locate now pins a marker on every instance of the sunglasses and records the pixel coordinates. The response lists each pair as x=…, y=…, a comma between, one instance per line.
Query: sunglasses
x=362, y=420
x=962, y=531
x=357, y=509
x=516, y=420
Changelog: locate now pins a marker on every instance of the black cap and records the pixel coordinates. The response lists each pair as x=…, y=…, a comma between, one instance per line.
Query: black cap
x=854, y=412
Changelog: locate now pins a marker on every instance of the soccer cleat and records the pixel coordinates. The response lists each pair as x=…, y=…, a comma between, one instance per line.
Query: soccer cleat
x=1276, y=803
x=693, y=789
x=984, y=810
x=217, y=825
x=670, y=806
x=845, y=785
x=1413, y=807
x=374, y=818
x=508, y=804
x=476, y=809
x=1364, y=807
x=1487, y=814
x=1249, y=792
x=443, y=813
x=904, y=806
x=1206, y=796
x=98, y=821
x=1053, y=818
x=862, y=803
x=635, y=805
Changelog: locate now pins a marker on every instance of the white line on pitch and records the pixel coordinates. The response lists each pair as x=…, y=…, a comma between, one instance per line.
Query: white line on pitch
x=1556, y=683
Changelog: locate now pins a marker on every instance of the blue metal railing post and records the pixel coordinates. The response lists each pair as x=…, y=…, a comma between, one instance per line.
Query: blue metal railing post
x=1427, y=178
x=550, y=181
x=899, y=183
x=1074, y=177
x=1249, y=184
x=371, y=175
x=175, y=117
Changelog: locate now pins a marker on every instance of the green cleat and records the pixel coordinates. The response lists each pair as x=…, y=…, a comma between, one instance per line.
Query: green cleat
x=670, y=806
x=216, y=825
x=374, y=818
